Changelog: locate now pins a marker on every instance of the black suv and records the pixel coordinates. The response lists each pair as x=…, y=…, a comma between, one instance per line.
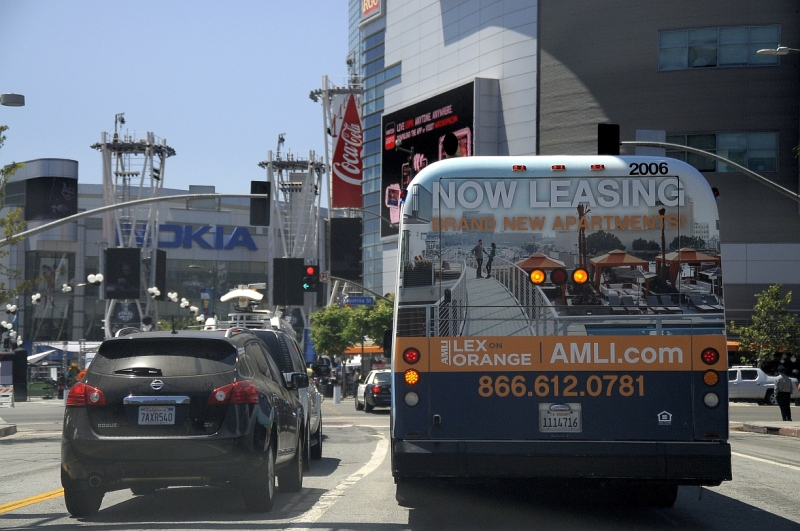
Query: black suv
x=287, y=356
x=161, y=409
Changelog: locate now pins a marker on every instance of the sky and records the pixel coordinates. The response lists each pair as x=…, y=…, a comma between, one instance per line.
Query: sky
x=218, y=80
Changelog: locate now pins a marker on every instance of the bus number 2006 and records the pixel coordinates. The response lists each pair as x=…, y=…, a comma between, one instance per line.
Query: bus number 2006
x=565, y=385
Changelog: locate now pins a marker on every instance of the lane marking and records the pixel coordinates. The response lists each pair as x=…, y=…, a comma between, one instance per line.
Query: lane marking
x=760, y=460
x=327, y=500
x=8, y=507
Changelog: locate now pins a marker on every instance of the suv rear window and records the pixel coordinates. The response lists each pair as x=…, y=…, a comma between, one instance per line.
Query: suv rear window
x=164, y=357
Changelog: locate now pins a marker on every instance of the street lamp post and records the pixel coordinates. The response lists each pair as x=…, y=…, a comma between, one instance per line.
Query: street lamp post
x=780, y=50
x=12, y=100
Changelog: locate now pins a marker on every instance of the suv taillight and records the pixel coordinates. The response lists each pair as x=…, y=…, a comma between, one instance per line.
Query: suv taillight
x=241, y=392
x=81, y=395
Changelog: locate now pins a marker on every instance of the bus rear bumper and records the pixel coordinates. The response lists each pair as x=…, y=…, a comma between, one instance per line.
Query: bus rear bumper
x=687, y=463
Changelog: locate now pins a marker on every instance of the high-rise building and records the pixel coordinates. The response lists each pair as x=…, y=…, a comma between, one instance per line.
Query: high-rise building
x=522, y=78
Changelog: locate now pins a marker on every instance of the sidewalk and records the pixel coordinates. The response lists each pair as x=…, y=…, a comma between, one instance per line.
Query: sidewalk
x=787, y=429
x=7, y=429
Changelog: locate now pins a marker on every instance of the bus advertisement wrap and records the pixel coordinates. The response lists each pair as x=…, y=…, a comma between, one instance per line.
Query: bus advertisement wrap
x=555, y=307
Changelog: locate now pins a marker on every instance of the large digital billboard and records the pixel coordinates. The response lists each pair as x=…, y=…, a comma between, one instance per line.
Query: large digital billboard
x=346, y=248
x=123, y=266
x=414, y=137
x=50, y=198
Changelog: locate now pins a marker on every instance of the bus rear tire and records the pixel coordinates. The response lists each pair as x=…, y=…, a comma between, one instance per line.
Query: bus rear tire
x=411, y=492
x=657, y=495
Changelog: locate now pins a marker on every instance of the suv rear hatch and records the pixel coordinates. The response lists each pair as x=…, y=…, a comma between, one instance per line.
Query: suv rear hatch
x=159, y=387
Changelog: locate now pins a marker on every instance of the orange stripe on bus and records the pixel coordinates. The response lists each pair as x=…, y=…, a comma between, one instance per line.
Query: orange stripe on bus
x=561, y=353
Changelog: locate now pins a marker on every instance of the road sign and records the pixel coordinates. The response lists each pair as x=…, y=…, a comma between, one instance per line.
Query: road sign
x=359, y=301
x=324, y=276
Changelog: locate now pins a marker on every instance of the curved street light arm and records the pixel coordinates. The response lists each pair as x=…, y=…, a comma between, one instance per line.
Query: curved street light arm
x=760, y=178
x=75, y=217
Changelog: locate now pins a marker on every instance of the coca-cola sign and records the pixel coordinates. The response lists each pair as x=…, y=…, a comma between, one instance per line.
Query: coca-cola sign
x=347, y=164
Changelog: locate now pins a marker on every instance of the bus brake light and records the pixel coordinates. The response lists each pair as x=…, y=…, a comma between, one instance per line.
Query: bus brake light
x=597, y=167
x=558, y=167
x=710, y=356
x=411, y=356
x=519, y=167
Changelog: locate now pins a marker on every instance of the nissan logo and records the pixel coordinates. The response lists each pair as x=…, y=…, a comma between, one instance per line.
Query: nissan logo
x=156, y=384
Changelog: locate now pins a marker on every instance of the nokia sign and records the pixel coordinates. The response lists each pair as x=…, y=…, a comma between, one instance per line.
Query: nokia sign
x=204, y=236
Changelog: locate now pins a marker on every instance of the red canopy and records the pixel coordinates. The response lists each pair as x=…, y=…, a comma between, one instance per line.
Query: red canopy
x=683, y=256
x=539, y=261
x=616, y=258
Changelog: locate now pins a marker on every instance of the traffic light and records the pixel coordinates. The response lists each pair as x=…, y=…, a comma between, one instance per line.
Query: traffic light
x=311, y=278
x=260, y=207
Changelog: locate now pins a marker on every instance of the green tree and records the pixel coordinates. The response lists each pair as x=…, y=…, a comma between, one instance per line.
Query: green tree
x=773, y=329
x=331, y=330
x=371, y=321
x=687, y=241
x=601, y=242
x=10, y=224
x=181, y=323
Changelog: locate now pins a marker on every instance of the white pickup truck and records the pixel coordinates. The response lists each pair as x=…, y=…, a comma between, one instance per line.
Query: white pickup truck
x=751, y=384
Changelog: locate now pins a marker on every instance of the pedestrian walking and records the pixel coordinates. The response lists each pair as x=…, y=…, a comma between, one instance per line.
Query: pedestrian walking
x=491, y=254
x=783, y=390
x=478, y=251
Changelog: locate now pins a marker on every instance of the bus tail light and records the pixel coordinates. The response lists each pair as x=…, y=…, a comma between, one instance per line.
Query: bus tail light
x=710, y=356
x=580, y=276
x=597, y=167
x=518, y=167
x=558, y=167
x=537, y=276
x=411, y=356
x=710, y=378
x=411, y=376
x=711, y=400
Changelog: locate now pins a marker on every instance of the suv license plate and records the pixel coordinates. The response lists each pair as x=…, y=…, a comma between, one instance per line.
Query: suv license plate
x=156, y=415
x=560, y=418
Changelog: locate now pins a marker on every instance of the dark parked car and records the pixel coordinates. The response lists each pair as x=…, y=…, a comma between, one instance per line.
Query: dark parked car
x=375, y=390
x=160, y=409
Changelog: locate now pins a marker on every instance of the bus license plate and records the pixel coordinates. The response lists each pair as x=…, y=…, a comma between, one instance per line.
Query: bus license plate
x=560, y=418
x=156, y=415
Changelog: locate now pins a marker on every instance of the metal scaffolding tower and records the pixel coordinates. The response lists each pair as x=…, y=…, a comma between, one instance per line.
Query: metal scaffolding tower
x=296, y=209
x=133, y=168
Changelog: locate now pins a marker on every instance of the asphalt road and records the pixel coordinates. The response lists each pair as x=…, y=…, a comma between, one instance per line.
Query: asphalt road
x=351, y=488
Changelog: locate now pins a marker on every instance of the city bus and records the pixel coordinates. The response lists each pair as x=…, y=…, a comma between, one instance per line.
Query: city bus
x=591, y=348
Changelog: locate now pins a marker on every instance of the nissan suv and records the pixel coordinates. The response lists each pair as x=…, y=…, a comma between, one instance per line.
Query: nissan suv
x=160, y=409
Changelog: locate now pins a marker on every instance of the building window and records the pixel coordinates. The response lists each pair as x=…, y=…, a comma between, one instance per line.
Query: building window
x=755, y=151
x=717, y=47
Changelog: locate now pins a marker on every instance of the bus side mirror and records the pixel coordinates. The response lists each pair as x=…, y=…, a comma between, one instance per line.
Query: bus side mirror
x=387, y=343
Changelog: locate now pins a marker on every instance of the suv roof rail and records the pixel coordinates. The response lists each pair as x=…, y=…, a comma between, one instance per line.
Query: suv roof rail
x=230, y=332
x=125, y=331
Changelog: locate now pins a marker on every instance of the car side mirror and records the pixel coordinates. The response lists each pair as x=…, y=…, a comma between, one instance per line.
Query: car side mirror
x=299, y=380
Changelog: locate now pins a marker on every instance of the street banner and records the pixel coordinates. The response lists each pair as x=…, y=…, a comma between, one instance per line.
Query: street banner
x=347, y=145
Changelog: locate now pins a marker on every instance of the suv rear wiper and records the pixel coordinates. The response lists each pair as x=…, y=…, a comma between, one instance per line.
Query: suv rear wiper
x=140, y=371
